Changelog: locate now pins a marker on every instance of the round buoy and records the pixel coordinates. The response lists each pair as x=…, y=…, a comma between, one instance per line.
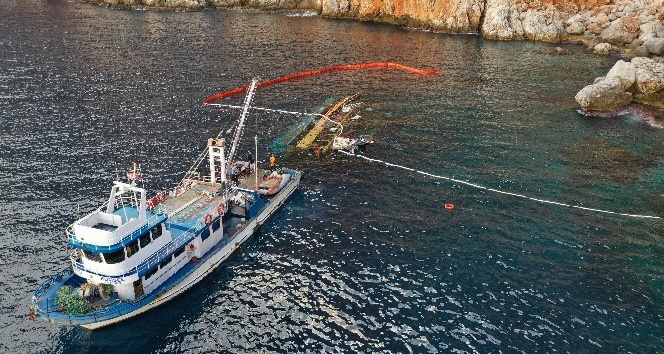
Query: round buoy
x=208, y=219
x=449, y=207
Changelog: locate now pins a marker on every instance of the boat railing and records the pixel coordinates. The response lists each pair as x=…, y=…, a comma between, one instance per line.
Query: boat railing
x=50, y=281
x=147, y=263
x=150, y=222
x=111, y=310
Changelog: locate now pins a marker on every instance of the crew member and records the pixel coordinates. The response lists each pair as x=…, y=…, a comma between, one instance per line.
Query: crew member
x=273, y=161
x=250, y=158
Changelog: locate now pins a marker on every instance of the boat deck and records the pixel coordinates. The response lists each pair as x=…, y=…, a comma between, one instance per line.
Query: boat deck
x=190, y=207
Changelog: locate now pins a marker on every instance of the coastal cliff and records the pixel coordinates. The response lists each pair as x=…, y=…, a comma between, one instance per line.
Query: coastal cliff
x=634, y=26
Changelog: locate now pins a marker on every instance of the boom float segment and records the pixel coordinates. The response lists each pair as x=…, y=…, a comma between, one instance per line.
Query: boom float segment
x=378, y=65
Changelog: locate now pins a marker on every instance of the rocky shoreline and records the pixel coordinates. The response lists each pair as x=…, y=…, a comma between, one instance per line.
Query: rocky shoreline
x=633, y=27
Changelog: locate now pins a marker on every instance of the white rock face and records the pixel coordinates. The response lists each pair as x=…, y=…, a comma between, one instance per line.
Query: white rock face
x=655, y=46
x=604, y=95
x=649, y=75
x=642, y=76
x=504, y=20
x=576, y=28
x=623, y=71
x=602, y=48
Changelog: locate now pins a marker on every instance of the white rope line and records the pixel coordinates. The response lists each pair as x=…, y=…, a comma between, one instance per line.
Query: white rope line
x=265, y=109
x=500, y=191
x=283, y=111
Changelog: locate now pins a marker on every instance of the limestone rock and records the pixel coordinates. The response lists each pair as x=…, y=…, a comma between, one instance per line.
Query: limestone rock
x=623, y=71
x=640, y=51
x=607, y=94
x=655, y=46
x=649, y=30
x=649, y=75
x=594, y=28
x=576, y=28
x=542, y=26
x=656, y=99
x=602, y=48
x=622, y=31
x=501, y=21
x=505, y=21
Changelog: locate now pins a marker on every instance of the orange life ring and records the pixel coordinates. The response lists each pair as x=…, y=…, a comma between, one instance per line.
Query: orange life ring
x=449, y=207
x=208, y=219
x=194, y=259
x=221, y=209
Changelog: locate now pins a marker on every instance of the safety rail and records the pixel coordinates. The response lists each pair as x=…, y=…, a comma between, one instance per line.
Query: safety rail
x=150, y=222
x=50, y=281
x=146, y=264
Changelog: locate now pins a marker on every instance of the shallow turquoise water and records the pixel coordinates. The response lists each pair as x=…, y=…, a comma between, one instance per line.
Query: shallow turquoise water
x=362, y=258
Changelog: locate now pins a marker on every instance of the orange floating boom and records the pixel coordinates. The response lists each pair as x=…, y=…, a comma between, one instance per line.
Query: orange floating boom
x=379, y=65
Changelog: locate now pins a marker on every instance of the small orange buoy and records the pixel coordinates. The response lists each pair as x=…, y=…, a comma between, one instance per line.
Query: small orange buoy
x=449, y=207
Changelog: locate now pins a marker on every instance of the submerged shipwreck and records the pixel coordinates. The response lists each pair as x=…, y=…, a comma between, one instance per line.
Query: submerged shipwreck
x=137, y=252
x=319, y=132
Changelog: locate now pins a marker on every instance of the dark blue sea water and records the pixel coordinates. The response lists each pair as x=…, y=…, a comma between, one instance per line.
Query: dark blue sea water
x=362, y=258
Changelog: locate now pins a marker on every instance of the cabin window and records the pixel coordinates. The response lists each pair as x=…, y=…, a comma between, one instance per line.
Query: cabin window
x=115, y=257
x=216, y=225
x=144, y=240
x=205, y=234
x=95, y=257
x=178, y=252
x=165, y=262
x=156, y=232
x=151, y=273
x=132, y=248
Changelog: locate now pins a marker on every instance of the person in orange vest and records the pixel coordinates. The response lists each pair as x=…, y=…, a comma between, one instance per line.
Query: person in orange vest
x=273, y=161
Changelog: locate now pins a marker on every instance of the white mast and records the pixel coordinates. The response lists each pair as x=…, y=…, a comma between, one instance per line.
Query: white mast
x=216, y=153
x=238, y=132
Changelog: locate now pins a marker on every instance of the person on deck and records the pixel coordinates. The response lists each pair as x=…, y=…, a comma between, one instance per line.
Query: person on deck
x=273, y=161
x=250, y=158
